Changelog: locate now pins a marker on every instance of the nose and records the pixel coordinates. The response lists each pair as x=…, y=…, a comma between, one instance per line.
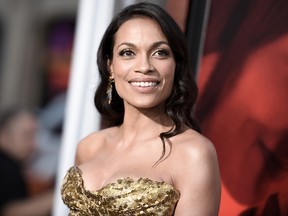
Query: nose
x=144, y=65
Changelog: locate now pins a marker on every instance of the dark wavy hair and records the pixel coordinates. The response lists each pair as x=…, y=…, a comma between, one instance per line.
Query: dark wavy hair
x=179, y=105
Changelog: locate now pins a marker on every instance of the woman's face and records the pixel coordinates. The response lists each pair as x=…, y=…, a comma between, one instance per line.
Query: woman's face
x=143, y=64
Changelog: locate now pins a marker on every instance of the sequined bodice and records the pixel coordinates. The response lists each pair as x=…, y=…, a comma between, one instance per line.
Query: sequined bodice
x=126, y=197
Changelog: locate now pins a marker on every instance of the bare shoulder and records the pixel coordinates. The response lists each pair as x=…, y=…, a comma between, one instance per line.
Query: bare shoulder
x=192, y=146
x=91, y=144
x=195, y=173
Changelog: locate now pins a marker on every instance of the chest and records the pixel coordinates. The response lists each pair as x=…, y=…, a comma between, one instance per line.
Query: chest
x=106, y=167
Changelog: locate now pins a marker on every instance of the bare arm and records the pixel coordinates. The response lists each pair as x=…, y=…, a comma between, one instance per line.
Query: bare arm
x=198, y=180
x=39, y=205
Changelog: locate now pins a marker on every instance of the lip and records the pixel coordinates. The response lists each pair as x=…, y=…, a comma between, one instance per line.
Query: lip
x=144, y=80
x=147, y=85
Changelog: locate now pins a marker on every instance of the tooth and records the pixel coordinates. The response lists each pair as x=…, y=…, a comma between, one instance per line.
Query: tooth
x=144, y=84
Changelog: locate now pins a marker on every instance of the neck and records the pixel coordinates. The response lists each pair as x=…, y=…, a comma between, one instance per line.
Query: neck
x=140, y=124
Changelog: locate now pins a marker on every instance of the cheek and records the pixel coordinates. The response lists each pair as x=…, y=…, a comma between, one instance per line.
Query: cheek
x=120, y=70
x=119, y=83
x=118, y=87
x=169, y=73
x=120, y=73
x=167, y=66
x=169, y=79
x=169, y=84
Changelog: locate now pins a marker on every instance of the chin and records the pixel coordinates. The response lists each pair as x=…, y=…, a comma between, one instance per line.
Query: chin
x=147, y=105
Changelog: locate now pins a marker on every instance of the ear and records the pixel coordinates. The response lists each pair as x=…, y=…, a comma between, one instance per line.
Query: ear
x=110, y=68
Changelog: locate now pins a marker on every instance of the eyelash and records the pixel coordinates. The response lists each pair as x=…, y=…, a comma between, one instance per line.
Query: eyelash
x=162, y=52
x=129, y=53
x=125, y=52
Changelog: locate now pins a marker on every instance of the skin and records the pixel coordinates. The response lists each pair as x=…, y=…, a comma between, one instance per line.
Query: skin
x=142, y=53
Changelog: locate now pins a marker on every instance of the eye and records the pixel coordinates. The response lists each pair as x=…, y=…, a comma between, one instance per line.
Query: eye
x=127, y=53
x=161, y=53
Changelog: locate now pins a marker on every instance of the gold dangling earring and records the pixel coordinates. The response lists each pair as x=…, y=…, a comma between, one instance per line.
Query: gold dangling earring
x=109, y=90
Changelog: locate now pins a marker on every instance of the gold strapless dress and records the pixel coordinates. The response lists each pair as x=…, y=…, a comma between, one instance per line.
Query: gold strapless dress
x=126, y=197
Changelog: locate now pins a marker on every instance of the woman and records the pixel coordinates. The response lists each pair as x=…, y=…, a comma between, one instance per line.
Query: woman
x=151, y=160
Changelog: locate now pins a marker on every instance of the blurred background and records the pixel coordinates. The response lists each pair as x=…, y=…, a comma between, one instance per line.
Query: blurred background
x=36, y=41
x=239, y=54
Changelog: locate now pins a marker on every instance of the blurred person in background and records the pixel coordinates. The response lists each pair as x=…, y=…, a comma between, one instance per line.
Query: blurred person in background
x=18, y=133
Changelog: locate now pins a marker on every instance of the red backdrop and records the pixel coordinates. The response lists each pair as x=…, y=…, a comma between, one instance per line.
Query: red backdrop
x=243, y=103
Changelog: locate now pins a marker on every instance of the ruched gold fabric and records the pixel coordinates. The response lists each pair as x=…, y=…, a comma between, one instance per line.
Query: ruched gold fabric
x=126, y=197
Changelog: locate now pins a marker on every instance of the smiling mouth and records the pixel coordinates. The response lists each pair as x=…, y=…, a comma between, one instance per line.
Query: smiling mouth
x=144, y=84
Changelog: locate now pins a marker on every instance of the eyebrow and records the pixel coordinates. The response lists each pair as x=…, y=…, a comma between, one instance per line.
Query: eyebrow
x=154, y=45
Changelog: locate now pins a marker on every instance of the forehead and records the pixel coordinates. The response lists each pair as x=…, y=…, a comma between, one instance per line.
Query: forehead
x=139, y=29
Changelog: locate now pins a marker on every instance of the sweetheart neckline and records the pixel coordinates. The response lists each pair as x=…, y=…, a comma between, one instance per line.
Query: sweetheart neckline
x=115, y=182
